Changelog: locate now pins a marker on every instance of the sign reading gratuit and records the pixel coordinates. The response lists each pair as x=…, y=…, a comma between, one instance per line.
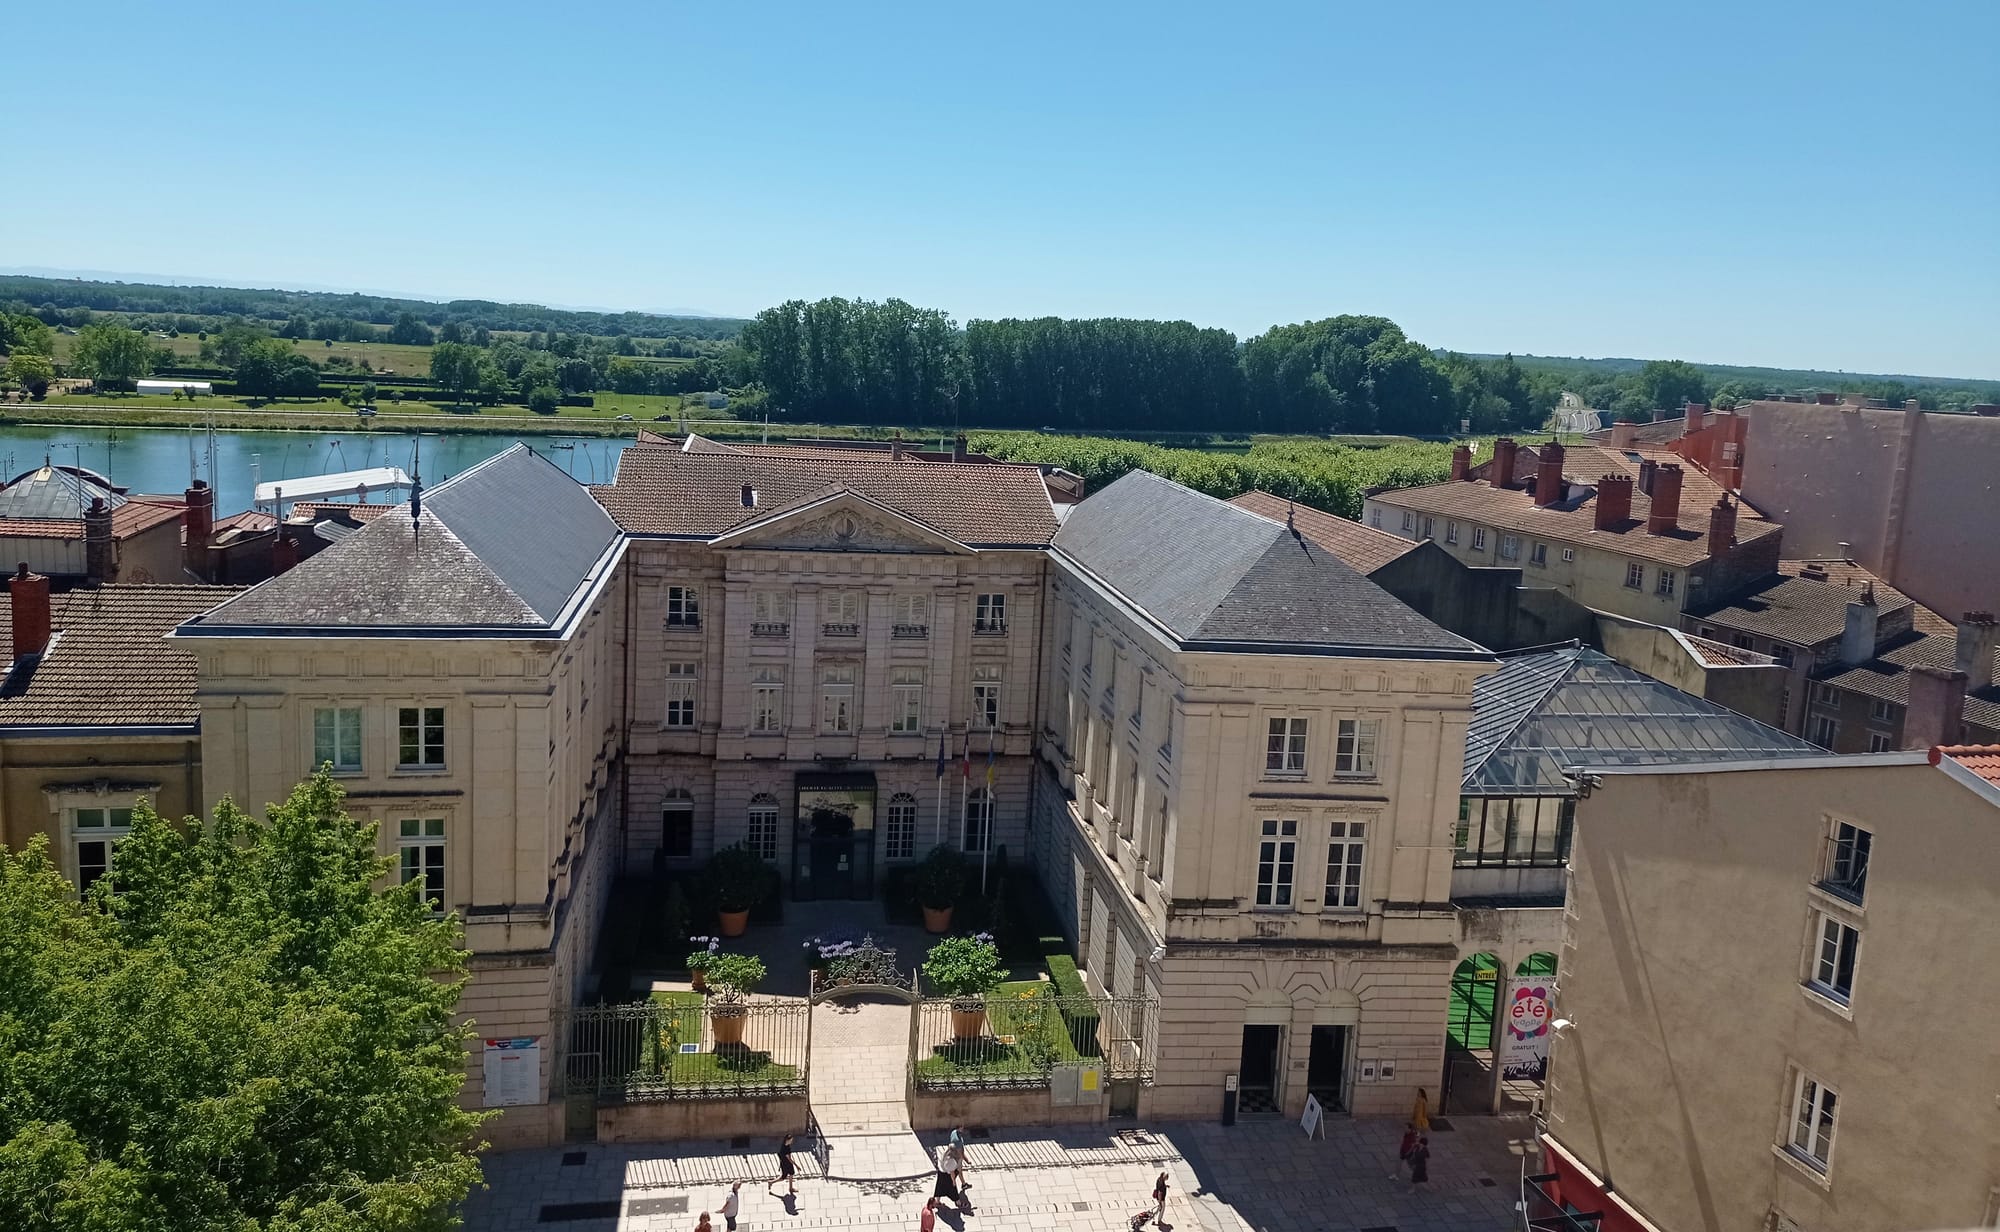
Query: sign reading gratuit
x=513, y=1071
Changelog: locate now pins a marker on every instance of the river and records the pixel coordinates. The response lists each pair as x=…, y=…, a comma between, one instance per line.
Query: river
x=157, y=460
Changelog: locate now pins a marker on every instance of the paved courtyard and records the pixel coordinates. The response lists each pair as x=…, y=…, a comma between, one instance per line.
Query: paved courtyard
x=1260, y=1176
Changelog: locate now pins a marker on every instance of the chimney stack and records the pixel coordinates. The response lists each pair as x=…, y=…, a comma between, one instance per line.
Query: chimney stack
x=1857, y=638
x=1549, y=486
x=1721, y=528
x=1986, y=410
x=1666, y=514
x=1461, y=463
x=1911, y=404
x=1827, y=399
x=284, y=552
x=1936, y=713
x=197, y=525
x=958, y=448
x=1978, y=635
x=1614, y=501
x=1697, y=416
x=1502, y=474
x=97, y=542
x=896, y=446
x=1646, y=468
x=30, y=593
x=1623, y=433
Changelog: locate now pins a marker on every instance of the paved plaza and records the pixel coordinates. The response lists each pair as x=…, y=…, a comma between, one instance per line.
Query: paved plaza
x=1256, y=1176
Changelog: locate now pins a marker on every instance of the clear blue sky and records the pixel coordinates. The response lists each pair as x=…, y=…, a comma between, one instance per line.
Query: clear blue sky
x=1810, y=184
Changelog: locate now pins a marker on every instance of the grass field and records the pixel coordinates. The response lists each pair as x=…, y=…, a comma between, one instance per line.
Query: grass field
x=374, y=356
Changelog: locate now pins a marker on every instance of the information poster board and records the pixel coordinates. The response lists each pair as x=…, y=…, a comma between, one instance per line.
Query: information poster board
x=1524, y=1039
x=513, y=1071
x=1310, y=1122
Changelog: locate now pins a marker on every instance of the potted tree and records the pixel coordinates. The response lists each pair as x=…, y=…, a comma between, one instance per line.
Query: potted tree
x=699, y=959
x=736, y=876
x=940, y=879
x=965, y=969
x=734, y=977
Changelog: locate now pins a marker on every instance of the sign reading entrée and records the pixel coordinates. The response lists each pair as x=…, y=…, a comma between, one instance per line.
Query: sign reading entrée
x=513, y=1071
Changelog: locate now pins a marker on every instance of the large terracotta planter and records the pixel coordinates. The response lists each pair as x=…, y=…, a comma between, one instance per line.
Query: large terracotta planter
x=727, y=1021
x=937, y=919
x=968, y=1018
x=734, y=923
x=699, y=979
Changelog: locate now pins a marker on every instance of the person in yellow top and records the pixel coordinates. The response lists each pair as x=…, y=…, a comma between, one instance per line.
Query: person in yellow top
x=1420, y=1116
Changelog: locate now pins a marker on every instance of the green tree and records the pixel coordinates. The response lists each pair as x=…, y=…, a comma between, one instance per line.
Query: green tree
x=112, y=354
x=237, y=1029
x=1665, y=384
x=273, y=368
x=21, y=332
x=455, y=367
x=543, y=399
x=409, y=331
x=31, y=371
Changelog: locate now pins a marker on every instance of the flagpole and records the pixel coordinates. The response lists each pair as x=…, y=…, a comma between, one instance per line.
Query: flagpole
x=937, y=814
x=986, y=836
x=964, y=786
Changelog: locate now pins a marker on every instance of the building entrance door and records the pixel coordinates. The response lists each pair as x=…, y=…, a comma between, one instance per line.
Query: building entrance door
x=833, y=855
x=1257, y=1072
x=833, y=866
x=1326, y=1069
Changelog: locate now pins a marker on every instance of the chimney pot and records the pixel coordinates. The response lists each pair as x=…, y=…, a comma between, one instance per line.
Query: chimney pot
x=1614, y=502
x=1647, y=467
x=1697, y=415
x=1504, y=451
x=1978, y=636
x=1912, y=404
x=1721, y=527
x=97, y=545
x=1461, y=463
x=958, y=447
x=30, y=604
x=1666, y=511
x=1549, y=485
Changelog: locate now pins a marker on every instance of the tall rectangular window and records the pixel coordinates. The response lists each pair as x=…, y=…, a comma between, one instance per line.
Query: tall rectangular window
x=680, y=694
x=989, y=614
x=913, y=615
x=899, y=838
x=1479, y=538
x=677, y=826
x=1847, y=852
x=841, y=612
x=1285, y=747
x=1343, y=864
x=836, y=698
x=1823, y=730
x=978, y=834
x=1450, y=531
x=420, y=850
x=767, y=700
x=1425, y=533
x=1538, y=554
x=763, y=826
x=683, y=607
x=1354, y=751
x=1667, y=581
x=906, y=715
x=770, y=613
x=1510, y=547
x=1635, y=575
x=1409, y=521
x=96, y=832
x=1839, y=944
x=420, y=737
x=1810, y=1139
x=337, y=738
x=986, y=697
x=1277, y=854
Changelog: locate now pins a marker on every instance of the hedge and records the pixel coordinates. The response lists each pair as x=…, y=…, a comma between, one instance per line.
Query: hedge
x=1079, y=1016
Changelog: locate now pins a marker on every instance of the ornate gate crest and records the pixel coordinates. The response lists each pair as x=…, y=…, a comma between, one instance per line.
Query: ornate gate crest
x=850, y=968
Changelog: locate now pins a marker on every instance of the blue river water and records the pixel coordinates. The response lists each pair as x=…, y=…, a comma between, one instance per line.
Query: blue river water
x=158, y=460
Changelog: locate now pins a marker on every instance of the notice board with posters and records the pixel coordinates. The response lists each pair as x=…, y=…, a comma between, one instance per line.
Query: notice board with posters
x=513, y=1071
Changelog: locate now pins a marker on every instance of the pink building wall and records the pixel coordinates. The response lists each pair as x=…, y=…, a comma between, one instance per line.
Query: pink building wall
x=1917, y=494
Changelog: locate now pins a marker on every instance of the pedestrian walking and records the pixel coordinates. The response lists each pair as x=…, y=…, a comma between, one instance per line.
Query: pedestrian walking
x=1420, y=1162
x=961, y=1172
x=788, y=1171
x=927, y=1218
x=947, y=1177
x=1160, y=1198
x=732, y=1206
x=1404, y=1148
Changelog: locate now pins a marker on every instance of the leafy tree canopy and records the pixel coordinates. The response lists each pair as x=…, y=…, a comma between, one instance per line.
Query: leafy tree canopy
x=112, y=353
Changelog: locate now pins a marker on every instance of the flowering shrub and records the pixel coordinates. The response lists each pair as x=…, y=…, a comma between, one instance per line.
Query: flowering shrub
x=735, y=976
x=704, y=953
x=837, y=956
x=964, y=966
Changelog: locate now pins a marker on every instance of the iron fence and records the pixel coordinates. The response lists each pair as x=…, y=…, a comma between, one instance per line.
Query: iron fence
x=684, y=1050
x=1018, y=1039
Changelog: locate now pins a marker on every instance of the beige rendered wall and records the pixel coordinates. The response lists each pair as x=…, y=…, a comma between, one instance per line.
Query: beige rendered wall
x=40, y=780
x=152, y=555
x=1692, y=902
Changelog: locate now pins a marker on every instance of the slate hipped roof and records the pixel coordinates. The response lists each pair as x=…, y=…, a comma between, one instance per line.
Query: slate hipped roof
x=108, y=663
x=1574, y=708
x=507, y=544
x=1216, y=576
x=1363, y=547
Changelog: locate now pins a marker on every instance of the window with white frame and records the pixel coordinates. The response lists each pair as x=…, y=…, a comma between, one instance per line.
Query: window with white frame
x=763, y=825
x=899, y=831
x=770, y=613
x=1355, y=745
x=836, y=698
x=841, y=612
x=1450, y=531
x=1809, y=1137
x=1277, y=856
x=1510, y=547
x=680, y=694
x=906, y=716
x=1844, y=865
x=978, y=835
x=989, y=614
x=1635, y=575
x=986, y=697
x=1884, y=713
x=1783, y=654
x=1345, y=842
x=1825, y=694
x=1823, y=730
x=337, y=738
x=420, y=855
x=1665, y=583
x=767, y=700
x=1569, y=555
x=1479, y=538
x=94, y=834
x=683, y=607
x=1425, y=533
x=1409, y=521
x=913, y=615
x=1375, y=518
x=1538, y=555
x=420, y=737
x=1837, y=945
x=1285, y=747
x=1881, y=742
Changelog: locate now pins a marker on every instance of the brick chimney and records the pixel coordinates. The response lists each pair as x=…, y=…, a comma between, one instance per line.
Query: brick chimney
x=97, y=545
x=197, y=526
x=1614, y=501
x=1978, y=635
x=1936, y=713
x=1623, y=433
x=1646, y=469
x=1549, y=486
x=1666, y=515
x=1857, y=637
x=958, y=448
x=1697, y=416
x=1721, y=528
x=1502, y=474
x=1461, y=463
x=30, y=593
x=896, y=446
x=284, y=552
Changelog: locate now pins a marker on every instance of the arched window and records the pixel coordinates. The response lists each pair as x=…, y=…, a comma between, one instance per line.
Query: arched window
x=763, y=829
x=978, y=821
x=677, y=824
x=899, y=838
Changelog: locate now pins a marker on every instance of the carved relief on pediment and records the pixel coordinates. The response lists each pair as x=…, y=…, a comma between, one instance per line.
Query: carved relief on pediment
x=848, y=531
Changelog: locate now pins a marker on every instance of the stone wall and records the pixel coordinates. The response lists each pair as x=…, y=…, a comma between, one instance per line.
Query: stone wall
x=678, y=1119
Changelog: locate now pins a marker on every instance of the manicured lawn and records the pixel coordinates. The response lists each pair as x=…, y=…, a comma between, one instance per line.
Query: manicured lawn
x=729, y=1065
x=1019, y=1011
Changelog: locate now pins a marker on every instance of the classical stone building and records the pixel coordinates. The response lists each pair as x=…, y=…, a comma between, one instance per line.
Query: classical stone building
x=1248, y=777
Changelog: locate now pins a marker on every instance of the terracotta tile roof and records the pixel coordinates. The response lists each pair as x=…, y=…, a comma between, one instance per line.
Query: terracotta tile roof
x=1887, y=675
x=140, y=513
x=250, y=520
x=1850, y=576
x=347, y=510
x=109, y=663
x=1715, y=652
x=1982, y=759
x=1512, y=509
x=1363, y=548
x=699, y=495
x=1645, y=433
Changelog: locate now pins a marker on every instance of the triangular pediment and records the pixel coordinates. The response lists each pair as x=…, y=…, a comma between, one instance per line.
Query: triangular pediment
x=841, y=520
